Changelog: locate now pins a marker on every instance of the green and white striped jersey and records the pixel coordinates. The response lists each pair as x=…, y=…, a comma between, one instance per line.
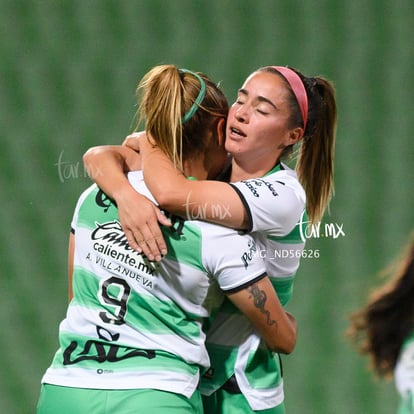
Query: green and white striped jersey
x=404, y=376
x=137, y=324
x=276, y=206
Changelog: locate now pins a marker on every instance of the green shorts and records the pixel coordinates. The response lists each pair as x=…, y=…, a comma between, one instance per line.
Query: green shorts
x=67, y=400
x=223, y=402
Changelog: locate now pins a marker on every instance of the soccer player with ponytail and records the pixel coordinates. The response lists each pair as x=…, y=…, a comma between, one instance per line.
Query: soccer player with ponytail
x=132, y=340
x=277, y=111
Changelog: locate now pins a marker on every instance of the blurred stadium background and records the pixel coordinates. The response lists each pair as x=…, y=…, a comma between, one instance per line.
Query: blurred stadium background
x=68, y=71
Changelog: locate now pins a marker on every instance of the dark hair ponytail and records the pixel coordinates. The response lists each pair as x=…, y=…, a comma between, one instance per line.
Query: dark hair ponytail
x=315, y=163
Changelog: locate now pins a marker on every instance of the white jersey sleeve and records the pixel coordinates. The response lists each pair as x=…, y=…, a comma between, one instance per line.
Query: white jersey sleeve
x=232, y=258
x=274, y=203
x=404, y=375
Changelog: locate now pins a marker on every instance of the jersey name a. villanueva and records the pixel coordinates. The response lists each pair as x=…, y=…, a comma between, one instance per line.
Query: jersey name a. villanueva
x=276, y=207
x=137, y=324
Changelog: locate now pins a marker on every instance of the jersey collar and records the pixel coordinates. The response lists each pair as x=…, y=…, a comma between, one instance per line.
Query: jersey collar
x=277, y=167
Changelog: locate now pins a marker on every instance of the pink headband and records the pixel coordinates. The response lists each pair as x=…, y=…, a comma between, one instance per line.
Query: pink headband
x=298, y=89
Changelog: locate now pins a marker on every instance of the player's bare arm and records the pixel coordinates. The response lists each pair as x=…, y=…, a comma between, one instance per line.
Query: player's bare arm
x=261, y=305
x=208, y=200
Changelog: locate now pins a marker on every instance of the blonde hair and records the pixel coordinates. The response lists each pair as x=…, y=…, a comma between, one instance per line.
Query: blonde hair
x=315, y=159
x=167, y=94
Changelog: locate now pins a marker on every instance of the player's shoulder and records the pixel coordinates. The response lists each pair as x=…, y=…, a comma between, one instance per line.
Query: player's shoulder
x=86, y=194
x=285, y=173
x=136, y=179
x=216, y=235
x=287, y=177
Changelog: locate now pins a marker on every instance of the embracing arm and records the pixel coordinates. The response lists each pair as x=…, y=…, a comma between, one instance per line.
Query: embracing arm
x=207, y=200
x=262, y=307
x=107, y=166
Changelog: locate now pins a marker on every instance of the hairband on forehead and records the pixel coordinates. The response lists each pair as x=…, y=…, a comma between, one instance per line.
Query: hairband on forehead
x=199, y=98
x=298, y=89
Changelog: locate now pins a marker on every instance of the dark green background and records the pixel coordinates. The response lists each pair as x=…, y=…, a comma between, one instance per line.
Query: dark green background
x=68, y=71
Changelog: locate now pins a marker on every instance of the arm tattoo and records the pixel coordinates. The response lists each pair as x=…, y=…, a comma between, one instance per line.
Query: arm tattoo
x=259, y=299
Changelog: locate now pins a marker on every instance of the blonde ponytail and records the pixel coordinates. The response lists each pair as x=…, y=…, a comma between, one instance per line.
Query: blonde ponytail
x=161, y=92
x=179, y=108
